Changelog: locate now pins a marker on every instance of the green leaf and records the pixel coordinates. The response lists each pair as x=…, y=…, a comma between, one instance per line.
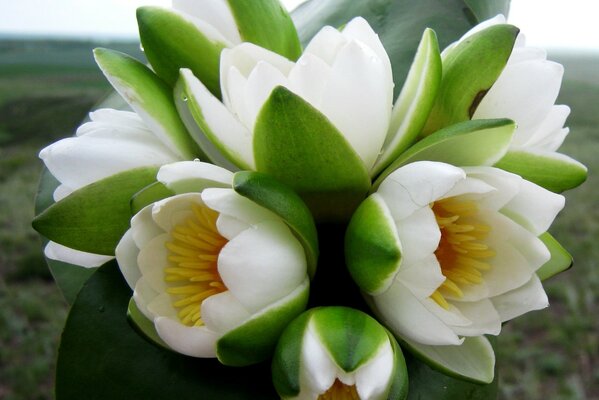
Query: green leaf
x=143, y=325
x=372, y=247
x=149, y=97
x=95, y=217
x=255, y=339
x=560, y=260
x=470, y=68
x=473, y=360
x=102, y=357
x=485, y=9
x=470, y=143
x=415, y=101
x=299, y=146
x=267, y=24
x=399, y=24
x=266, y=191
x=171, y=42
x=148, y=195
x=553, y=171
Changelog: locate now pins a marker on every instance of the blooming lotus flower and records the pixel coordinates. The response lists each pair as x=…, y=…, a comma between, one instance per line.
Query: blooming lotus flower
x=217, y=274
x=111, y=142
x=338, y=353
x=447, y=254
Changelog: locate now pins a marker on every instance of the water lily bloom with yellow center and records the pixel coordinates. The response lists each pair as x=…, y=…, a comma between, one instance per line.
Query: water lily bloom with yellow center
x=338, y=353
x=217, y=274
x=447, y=254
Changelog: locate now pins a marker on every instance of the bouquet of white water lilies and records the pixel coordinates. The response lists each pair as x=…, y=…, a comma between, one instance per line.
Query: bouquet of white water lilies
x=316, y=206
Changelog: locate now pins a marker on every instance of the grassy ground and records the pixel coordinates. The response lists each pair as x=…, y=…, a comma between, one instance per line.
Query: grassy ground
x=550, y=354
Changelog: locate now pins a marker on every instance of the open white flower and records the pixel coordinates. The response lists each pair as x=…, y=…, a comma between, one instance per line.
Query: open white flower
x=111, y=142
x=342, y=354
x=217, y=274
x=454, y=251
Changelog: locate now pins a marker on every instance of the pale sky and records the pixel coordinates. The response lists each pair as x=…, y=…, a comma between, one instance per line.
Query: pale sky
x=546, y=23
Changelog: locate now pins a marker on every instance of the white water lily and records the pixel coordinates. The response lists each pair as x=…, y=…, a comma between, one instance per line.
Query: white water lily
x=111, y=142
x=208, y=264
x=345, y=75
x=375, y=370
x=456, y=253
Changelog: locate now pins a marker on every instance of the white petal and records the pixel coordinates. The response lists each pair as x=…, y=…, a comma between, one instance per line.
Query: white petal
x=550, y=125
x=326, y=44
x=416, y=185
x=521, y=54
x=358, y=100
x=173, y=211
x=162, y=306
x=143, y=295
x=373, y=378
x=407, y=317
x=308, y=79
x=223, y=312
x=216, y=13
x=235, y=98
x=193, y=176
x=260, y=84
x=107, y=121
x=228, y=202
x=126, y=256
x=58, y=252
x=484, y=317
x=471, y=187
x=143, y=228
x=152, y=260
x=262, y=264
x=317, y=369
x=229, y=227
x=61, y=192
x=507, y=186
x=419, y=235
x=191, y=341
x=528, y=297
x=422, y=277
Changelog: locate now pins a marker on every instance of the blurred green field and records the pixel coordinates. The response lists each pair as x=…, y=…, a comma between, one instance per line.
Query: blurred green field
x=46, y=88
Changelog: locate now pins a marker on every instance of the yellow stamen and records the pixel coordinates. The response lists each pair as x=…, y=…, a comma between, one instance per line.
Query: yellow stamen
x=462, y=251
x=192, y=274
x=340, y=391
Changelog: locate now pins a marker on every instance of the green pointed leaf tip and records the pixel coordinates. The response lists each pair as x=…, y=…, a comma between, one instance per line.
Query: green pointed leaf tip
x=95, y=217
x=149, y=97
x=267, y=24
x=469, y=71
x=143, y=325
x=372, y=247
x=469, y=143
x=560, y=259
x=267, y=192
x=171, y=42
x=553, y=171
x=299, y=146
x=415, y=101
x=256, y=339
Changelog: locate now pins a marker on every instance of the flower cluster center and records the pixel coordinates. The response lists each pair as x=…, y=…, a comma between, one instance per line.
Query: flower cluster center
x=340, y=391
x=192, y=274
x=462, y=251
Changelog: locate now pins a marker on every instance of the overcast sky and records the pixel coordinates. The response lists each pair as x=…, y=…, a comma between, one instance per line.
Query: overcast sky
x=547, y=23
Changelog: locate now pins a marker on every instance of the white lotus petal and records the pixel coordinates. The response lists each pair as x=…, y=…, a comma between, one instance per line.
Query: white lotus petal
x=471, y=187
x=61, y=192
x=58, y=252
x=521, y=54
x=126, y=255
x=223, y=312
x=309, y=79
x=506, y=184
x=143, y=228
x=484, y=317
x=215, y=13
x=528, y=297
x=235, y=99
x=228, y=202
x=193, y=176
x=260, y=84
x=191, y=341
x=152, y=260
x=229, y=227
x=162, y=306
x=319, y=371
x=326, y=44
x=262, y=264
x=107, y=121
x=173, y=211
x=143, y=295
x=373, y=378
x=422, y=277
x=419, y=235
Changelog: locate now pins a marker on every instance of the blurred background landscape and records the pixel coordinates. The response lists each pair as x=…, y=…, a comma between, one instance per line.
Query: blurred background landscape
x=48, y=86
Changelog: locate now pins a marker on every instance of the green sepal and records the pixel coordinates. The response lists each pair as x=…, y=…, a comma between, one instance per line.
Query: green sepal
x=171, y=42
x=469, y=143
x=560, y=260
x=553, y=171
x=470, y=68
x=372, y=247
x=299, y=146
x=269, y=193
x=95, y=217
x=149, y=97
x=255, y=339
x=148, y=195
x=143, y=325
x=472, y=361
x=267, y=24
x=400, y=383
x=415, y=100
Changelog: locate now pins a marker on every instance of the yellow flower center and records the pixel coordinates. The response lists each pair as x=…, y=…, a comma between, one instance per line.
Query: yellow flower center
x=192, y=275
x=462, y=252
x=340, y=391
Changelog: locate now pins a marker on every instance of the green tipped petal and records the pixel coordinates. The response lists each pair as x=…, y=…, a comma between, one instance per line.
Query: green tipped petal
x=299, y=146
x=267, y=24
x=553, y=171
x=171, y=42
x=415, y=101
x=372, y=247
x=149, y=97
x=469, y=70
x=560, y=260
x=470, y=143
